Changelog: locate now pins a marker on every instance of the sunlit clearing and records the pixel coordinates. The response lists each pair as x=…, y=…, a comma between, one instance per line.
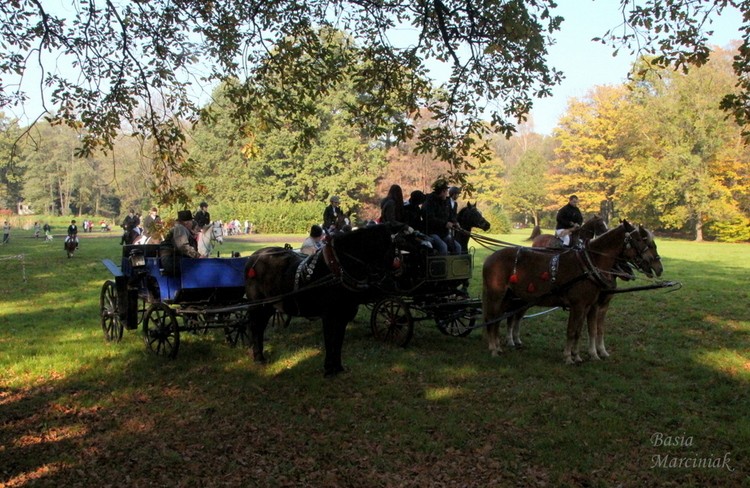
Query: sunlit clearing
x=290, y=361
x=444, y=393
x=727, y=361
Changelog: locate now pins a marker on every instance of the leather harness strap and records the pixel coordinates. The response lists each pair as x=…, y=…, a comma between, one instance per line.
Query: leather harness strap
x=331, y=261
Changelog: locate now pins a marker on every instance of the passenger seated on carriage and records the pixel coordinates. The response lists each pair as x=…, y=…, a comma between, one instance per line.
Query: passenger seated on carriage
x=72, y=234
x=392, y=206
x=437, y=219
x=314, y=241
x=180, y=241
x=412, y=212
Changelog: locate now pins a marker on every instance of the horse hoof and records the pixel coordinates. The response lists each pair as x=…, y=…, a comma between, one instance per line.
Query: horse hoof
x=569, y=361
x=578, y=359
x=331, y=372
x=603, y=354
x=259, y=359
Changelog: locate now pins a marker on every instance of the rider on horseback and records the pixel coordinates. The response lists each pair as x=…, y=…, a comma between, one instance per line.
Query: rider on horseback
x=72, y=234
x=569, y=218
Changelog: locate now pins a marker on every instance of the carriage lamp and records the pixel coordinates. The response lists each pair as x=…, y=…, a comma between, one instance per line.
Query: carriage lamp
x=137, y=258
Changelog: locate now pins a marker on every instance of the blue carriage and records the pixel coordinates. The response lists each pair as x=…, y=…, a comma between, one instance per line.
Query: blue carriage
x=208, y=294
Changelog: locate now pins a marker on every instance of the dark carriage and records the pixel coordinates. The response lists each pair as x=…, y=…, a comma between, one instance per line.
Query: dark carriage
x=430, y=287
x=208, y=294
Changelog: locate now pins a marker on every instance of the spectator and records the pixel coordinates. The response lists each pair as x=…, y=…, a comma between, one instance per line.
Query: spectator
x=314, y=241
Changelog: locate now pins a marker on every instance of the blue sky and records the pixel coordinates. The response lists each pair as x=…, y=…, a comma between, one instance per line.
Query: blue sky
x=587, y=64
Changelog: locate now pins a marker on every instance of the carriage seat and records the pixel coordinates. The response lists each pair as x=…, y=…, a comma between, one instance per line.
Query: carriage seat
x=149, y=250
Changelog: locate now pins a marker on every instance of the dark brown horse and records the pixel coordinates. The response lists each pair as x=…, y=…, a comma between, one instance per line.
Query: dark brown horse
x=468, y=218
x=70, y=246
x=593, y=227
x=349, y=270
x=515, y=279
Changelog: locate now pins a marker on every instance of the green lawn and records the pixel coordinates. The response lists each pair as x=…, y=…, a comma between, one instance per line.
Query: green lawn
x=669, y=408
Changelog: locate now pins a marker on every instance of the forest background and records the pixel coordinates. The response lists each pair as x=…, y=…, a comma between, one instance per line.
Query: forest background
x=658, y=150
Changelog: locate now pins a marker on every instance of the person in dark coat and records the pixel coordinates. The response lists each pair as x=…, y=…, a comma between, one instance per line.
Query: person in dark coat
x=412, y=212
x=437, y=214
x=202, y=217
x=569, y=218
x=392, y=206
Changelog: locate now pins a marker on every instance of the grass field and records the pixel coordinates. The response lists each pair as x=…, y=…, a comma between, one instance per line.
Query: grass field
x=669, y=408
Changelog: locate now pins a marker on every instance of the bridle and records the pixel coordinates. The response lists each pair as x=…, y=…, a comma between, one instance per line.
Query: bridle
x=643, y=255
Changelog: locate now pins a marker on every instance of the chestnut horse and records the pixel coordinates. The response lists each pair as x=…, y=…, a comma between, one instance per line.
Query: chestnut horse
x=330, y=284
x=593, y=227
x=515, y=279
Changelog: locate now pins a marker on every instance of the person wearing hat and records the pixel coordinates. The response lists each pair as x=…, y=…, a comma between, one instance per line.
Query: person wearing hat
x=202, y=217
x=438, y=224
x=150, y=222
x=179, y=242
x=331, y=214
x=413, y=213
x=314, y=241
x=72, y=234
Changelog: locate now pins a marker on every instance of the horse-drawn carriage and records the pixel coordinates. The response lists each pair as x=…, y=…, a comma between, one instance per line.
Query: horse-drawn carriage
x=207, y=294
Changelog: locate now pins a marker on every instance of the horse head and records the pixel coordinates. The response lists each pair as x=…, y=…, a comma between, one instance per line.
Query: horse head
x=595, y=226
x=207, y=236
x=470, y=216
x=640, y=250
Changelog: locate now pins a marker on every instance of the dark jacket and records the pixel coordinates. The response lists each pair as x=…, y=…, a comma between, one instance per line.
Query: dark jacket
x=413, y=216
x=330, y=215
x=202, y=218
x=436, y=214
x=568, y=217
x=389, y=212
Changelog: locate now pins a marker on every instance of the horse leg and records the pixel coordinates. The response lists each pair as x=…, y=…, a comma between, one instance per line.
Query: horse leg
x=601, y=315
x=591, y=320
x=334, y=330
x=258, y=321
x=492, y=308
x=575, y=324
x=514, y=330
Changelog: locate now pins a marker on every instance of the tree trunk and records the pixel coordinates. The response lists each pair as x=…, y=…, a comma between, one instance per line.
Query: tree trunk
x=698, y=228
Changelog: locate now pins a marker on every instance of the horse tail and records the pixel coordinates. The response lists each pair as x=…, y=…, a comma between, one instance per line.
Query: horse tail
x=536, y=232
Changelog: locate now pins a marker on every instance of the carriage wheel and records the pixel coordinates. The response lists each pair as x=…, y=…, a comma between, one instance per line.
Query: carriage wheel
x=196, y=324
x=109, y=313
x=142, y=307
x=457, y=324
x=238, y=332
x=392, y=322
x=161, y=331
x=280, y=319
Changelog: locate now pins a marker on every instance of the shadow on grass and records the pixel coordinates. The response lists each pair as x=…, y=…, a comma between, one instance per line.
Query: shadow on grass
x=440, y=411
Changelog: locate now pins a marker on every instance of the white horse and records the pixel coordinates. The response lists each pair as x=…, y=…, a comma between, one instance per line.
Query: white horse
x=208, y=236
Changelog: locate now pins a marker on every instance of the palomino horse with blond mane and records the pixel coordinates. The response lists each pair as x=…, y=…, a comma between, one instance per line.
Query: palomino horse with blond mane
x=517, y=278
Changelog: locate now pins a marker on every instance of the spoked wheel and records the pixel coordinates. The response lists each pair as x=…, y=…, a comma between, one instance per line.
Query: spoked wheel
x=280, y=319
x=161, y=331
x=110, y=315
x=392, y=322
x=238, y=330
x=459, y=323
